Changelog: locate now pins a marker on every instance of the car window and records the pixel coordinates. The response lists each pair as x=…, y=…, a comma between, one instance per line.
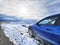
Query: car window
x=58, y=22
x=48, y=21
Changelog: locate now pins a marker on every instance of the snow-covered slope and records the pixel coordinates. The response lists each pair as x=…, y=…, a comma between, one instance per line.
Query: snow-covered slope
x=18, y=34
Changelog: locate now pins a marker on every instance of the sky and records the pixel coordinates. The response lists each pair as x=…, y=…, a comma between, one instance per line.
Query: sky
x=34, y=9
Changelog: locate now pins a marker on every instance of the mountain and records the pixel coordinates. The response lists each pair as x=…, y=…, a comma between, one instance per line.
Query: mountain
x=5, y=18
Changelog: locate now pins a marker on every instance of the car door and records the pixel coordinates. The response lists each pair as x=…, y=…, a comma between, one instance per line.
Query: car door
x=56, y=32
x=46, y=27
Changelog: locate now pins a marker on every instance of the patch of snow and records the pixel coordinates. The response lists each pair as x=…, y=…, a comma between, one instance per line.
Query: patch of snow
x=18, y=34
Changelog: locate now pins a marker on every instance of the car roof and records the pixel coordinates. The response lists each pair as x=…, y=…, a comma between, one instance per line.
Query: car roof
x=55, y=15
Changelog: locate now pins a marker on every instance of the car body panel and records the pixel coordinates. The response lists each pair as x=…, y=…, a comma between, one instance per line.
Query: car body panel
x=49, y=33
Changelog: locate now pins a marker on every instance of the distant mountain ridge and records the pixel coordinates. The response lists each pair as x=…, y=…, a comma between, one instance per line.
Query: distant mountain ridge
x=5, y=18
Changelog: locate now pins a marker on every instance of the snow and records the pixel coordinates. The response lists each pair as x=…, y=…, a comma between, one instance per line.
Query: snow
x=18, y=34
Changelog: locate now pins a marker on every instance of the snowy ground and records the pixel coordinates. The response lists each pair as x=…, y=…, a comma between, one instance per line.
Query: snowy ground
x=18, y=34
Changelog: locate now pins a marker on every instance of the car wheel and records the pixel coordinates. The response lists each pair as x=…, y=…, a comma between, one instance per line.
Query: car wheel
x=40, y=41
x=30, y=33
x=47, y=43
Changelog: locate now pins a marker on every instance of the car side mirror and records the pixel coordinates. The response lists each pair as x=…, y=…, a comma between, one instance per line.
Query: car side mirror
x=38, y=24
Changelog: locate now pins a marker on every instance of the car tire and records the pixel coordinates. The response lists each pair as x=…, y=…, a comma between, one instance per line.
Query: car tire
x=40, y=41
x=30, y=33
x=33, y=35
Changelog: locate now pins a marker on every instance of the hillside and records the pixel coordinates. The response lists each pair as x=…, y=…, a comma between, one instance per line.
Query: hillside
x=3, y=39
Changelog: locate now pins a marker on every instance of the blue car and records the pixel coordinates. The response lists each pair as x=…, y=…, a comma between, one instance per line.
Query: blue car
x=47, y=30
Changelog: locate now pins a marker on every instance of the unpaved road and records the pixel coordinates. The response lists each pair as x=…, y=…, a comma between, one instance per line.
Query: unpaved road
x=3, y=39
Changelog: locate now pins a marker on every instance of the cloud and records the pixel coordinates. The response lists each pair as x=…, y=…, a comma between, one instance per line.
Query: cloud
x=54, y=2
x=34, y=8
x=53, y=7
x=12, y=7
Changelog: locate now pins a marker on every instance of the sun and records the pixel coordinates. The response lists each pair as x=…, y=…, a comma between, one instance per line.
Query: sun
x=23, y=11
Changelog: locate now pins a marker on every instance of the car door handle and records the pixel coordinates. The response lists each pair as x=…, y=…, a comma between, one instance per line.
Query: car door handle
x=48, y=29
